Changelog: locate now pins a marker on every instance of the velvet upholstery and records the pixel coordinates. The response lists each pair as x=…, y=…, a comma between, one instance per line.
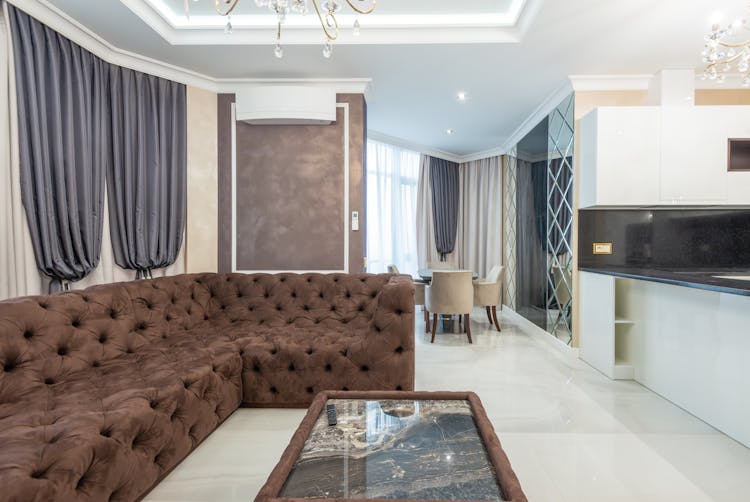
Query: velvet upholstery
x=104, y=391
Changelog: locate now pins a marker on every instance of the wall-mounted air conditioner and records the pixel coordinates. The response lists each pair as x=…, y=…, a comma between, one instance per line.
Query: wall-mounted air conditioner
x=286, y=105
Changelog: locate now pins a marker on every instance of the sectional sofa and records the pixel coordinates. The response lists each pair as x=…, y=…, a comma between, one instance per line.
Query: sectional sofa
x=104, y=391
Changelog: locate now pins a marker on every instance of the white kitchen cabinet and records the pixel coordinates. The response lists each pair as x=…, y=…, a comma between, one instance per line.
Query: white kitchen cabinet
x=650, y=155
x=605, y=331
x=694, y=154
x=620, y=156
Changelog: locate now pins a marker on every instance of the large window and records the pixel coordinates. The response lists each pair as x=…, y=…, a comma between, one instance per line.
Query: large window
x=392, y=176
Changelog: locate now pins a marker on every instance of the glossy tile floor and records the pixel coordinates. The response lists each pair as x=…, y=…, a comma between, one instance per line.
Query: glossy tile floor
x=571, y=433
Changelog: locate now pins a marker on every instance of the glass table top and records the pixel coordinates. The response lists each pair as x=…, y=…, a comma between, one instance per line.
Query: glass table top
x=386, y=449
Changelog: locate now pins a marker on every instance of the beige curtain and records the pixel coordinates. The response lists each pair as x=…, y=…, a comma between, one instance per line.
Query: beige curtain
x=480, y=217
x=18, y=273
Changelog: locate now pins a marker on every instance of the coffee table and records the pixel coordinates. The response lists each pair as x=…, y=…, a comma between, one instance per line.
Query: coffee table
x=394, y=445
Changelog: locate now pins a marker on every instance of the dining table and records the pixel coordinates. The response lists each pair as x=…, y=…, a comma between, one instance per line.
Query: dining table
x=426, y=273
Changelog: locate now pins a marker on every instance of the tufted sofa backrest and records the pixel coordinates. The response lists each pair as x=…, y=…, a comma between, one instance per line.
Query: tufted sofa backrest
x=328, y=300
x=44, y=339
x=169, y=304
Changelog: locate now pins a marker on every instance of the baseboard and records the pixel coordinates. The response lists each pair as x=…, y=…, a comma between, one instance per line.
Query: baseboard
x=532, y=329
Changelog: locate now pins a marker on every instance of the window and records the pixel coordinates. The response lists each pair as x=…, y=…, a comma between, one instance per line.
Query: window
x=392, y=180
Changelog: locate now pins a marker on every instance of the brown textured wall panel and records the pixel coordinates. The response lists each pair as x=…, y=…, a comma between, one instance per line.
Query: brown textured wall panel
x=290, y=192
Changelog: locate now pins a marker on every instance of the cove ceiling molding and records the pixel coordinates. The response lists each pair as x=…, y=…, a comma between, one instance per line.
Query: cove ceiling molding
x=168, y=19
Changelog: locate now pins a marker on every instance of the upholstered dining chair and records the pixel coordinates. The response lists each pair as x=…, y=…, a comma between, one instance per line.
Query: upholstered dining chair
x=487, y=293
x=418, y=295
x=450, y=292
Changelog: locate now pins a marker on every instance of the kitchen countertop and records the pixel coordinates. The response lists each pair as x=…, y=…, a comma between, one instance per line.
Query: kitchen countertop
x=699, y=279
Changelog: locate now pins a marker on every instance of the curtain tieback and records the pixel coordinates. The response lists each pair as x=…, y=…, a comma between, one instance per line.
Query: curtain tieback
x=58, y=285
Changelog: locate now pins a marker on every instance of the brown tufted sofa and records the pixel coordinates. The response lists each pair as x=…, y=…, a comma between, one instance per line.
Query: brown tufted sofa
x=104, y=391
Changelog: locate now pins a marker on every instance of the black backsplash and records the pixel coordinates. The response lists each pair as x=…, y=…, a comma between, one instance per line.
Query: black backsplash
x=709, y=238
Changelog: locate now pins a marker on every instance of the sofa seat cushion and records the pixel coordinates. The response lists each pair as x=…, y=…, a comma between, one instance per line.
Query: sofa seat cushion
x=113, y=431
x=288, y=366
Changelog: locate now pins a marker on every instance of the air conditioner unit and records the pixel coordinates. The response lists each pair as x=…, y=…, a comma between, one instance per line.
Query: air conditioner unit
x=286, y=105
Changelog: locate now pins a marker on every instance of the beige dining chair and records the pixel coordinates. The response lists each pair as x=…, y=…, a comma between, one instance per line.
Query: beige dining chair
x=418, y=295
x=450, y=292
x=488, y=293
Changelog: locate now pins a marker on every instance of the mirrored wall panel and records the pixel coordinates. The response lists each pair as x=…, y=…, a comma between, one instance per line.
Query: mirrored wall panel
x=538, y=223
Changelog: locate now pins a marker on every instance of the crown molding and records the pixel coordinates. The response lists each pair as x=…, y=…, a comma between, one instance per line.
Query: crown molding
x=75, y=31
x=59, y=21
x=484, y=154
x=260, y=29
x=410, y=145
x=635, y=82
x=540, y=112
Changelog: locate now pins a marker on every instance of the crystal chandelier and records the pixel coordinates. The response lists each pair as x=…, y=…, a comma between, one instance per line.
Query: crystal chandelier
x=727, y=48
x=326, y=12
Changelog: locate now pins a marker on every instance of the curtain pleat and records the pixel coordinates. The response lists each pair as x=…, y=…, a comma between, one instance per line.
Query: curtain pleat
x=392, y=176
x=480, y=227
x=147, y=180
x=62, y=96
x=444, y=182
x=53, y=171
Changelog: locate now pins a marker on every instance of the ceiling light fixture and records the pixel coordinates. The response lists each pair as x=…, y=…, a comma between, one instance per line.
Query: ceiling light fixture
x=725, y=50
x=325, y=10
x=450, y=132
x=461, y=96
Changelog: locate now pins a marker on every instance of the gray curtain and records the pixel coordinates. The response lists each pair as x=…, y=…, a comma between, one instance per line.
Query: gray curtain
x=64, y=147
x=444, y=181
x=147, y=180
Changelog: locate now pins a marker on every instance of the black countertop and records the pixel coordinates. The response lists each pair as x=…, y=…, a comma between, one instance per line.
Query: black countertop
x=699, y=279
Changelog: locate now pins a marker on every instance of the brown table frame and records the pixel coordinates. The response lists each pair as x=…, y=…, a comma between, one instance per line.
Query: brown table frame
x=509, y=484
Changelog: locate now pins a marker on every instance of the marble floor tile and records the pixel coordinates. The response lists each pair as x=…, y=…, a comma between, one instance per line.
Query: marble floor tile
x=571, y=433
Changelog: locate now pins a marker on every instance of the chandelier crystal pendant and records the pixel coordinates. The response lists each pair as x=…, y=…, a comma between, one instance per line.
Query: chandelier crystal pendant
x=326, y=12
x=727, y=48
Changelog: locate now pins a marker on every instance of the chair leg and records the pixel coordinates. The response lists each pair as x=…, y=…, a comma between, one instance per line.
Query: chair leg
x=434, y=326
x=489, y=314
x=494, y=316
x=467, y=326
x=427, y=320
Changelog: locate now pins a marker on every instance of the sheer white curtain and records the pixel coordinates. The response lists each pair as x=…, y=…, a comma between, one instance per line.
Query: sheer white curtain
x=480, y=215
x=392, y=176
x=18, y=273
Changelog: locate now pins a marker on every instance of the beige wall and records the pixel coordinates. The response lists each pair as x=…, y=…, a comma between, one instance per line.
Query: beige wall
x=722, y=97
x=202, y=184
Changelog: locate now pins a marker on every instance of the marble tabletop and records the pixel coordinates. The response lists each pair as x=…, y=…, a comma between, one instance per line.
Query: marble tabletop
x=387, y=449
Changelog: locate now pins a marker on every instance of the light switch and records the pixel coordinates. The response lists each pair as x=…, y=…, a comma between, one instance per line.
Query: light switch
x=355, y=221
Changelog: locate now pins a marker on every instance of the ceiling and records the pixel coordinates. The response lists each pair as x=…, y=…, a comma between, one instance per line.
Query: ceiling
x=414, y=84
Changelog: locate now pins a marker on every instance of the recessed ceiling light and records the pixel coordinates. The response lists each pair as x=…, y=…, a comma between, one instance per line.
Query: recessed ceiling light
x=461, y=96
x=450, y=132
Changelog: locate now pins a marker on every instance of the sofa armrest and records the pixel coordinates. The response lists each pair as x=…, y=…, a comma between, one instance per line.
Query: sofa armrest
x=390, y=339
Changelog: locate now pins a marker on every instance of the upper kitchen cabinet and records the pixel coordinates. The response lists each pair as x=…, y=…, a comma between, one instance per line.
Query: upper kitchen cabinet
x=694, y=154
x=636, y=156
x=620, y=156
